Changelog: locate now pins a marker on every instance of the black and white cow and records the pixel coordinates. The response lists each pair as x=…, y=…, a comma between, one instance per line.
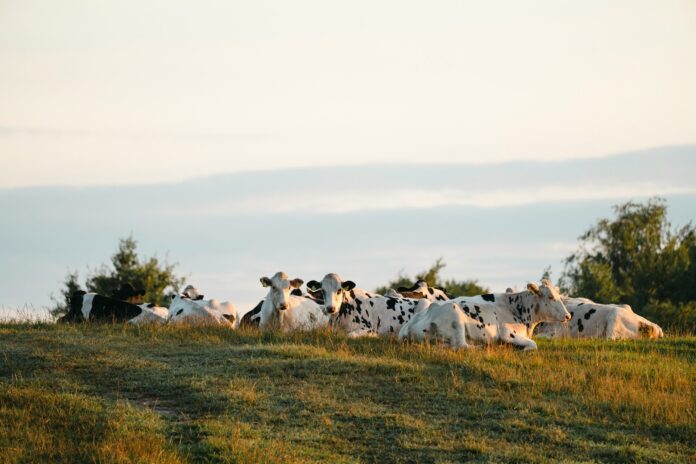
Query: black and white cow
x=358, y=312
x=252, y=318
x=438, y=321
x=191, y=308
x=94, y=307
x=512, y=317
x=421, y=289
x=594, y=320
x=282, y=310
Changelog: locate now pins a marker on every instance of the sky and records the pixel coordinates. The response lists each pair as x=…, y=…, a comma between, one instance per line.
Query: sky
x=132, y=92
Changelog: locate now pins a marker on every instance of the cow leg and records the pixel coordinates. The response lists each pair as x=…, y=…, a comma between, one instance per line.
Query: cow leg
x=361, y=333
x=520, y=341
x=459, y=339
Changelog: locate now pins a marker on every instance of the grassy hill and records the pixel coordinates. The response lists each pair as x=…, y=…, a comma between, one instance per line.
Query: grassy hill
x=126, y=394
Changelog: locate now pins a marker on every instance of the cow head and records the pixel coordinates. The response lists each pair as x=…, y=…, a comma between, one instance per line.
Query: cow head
x=192, y=292
x=422, y=290
x=549, y=306
x=332, y=289
x=280, y=288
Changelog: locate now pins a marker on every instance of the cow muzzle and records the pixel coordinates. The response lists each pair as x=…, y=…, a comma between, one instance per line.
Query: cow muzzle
x=330, y=309
x=282, y=307
x=568, y=317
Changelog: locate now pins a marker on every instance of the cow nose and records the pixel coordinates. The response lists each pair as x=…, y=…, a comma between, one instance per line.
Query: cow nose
x=330, y=309
x=283, y=307
x=568, y=317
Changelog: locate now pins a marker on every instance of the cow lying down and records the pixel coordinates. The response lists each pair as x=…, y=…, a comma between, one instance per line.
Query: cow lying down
x=508, y=318
x=94, y=307
x=594, y=320
x=191, y=308
x=444, y=322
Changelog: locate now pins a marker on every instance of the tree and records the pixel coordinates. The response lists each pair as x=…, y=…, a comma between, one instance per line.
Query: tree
x=635, y=258
x=126, y=268
x=432, y=277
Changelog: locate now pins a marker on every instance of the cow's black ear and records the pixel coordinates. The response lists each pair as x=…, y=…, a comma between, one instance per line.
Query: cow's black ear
x=348, y=285
x=296, y=292
x=265, y=282
x=313, y=286
x=199, y=298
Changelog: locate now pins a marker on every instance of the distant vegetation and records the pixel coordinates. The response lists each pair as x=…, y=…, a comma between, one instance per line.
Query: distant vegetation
x=126, y=268
x=640, y=259
x=432, y=277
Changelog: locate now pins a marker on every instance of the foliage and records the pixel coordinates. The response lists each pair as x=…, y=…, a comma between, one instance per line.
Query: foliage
x=432, y=277
x=126, y=267
x=635, y=258
x=117, y=393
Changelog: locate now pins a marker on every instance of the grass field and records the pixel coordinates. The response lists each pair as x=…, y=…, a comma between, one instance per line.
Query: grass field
x=115, y=393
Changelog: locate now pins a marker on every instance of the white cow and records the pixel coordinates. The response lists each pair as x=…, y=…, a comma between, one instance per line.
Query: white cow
x=444, y=321
x=512, y=317
x=421, y=289
x=361, y=313
x=191, y=308
x=594, y=320
x=285, y=311
x=152, y=314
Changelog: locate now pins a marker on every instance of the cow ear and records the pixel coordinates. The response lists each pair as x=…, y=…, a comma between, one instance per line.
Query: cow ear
x=348, y=285
x=296, y=283
x=534, y=288
x=313, y=286
x=199, y=297
x=296, y=292
x=265, y=281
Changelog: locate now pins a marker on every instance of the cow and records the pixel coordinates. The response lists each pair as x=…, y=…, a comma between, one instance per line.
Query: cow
x=284, y=311
x=252, y=317
x=191, y=308
x=594, y=320
x=94, y=307
x=421, y=289
x=360, y=313
x=511, y=317
x=437, y=321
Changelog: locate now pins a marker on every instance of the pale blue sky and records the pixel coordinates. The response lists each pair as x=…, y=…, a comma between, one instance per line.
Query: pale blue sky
x=114, y=92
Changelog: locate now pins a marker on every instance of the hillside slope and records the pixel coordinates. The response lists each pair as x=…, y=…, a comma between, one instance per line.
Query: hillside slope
x=126, y=394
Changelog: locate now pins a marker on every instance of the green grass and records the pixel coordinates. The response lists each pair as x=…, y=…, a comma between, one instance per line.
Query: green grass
x=103, y=393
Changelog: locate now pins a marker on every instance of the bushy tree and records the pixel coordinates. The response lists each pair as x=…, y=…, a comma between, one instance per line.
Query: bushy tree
x=126, y=267
x=432, y=277
x=636, y=258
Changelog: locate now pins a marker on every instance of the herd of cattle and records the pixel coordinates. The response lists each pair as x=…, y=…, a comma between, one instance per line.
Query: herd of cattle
x=417, y=313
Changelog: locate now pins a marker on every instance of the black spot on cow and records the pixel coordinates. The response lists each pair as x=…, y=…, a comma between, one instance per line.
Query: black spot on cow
x=179, y=312
x=391, y=329
x=352, y=294
x=488, y=297
x=512, y=335
x=401, y=319
x=431, y=291
x=200, y=297
x=580, y=326
x=580, y=304
x=151, y=305
x=391, y=303
x=372, y=303
x=589, y=314
x=406, y=289
x=253, y=317
x=112, y=310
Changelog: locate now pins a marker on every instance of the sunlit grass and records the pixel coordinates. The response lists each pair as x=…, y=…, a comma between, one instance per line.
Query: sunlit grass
x=117, y=393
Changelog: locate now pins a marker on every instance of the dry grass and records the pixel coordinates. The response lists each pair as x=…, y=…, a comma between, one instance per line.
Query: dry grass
x=114, y=393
